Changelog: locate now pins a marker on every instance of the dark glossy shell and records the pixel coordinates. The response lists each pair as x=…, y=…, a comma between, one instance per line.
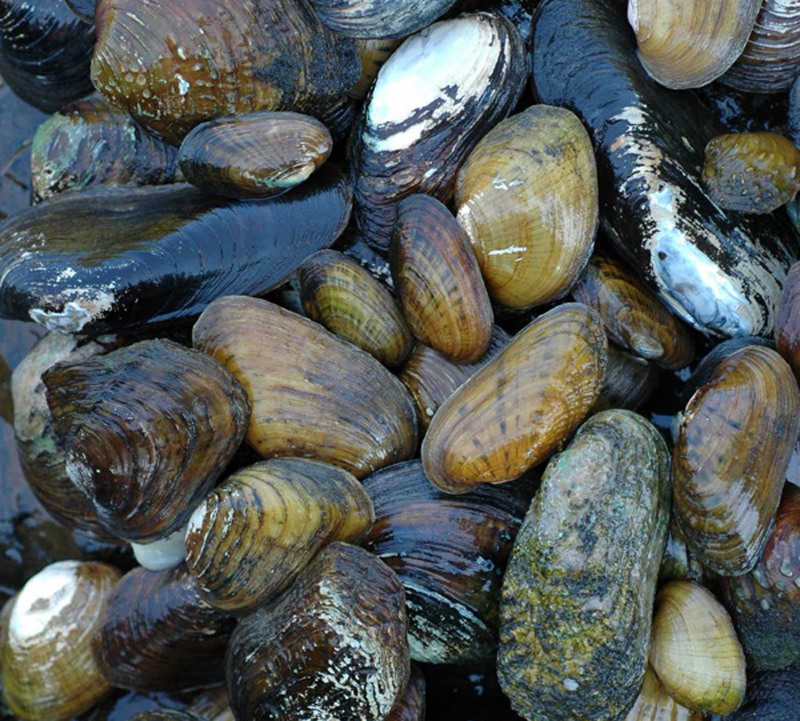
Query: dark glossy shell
x=91, y=142
x=787, y=321
x=173, y=66
x=765, y=603
x=380, y=19
x=751, y=172
x=722, y=273
x=633, y=317
x=730, y=458
x=255, y=154
x=771, y=696
x=313, y=394
x=102, y=258
x=348, y=300
x=146, y=429
x=158, y=634
x=438, y=280
x=83, y=9
x=629, y=382
x=578, y=592
x=45, y=52
x=450, y=553
x=253, y=534
x=331, y=648
x=431, y=102
x=520, y=406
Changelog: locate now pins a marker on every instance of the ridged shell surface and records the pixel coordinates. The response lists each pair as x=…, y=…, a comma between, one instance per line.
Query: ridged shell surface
x=313, y=394
x=252, y=535
x=379, y=19
x=578, y=591
x=521, y=405
x=787, y=322
x=527, y=198
x=655, y=704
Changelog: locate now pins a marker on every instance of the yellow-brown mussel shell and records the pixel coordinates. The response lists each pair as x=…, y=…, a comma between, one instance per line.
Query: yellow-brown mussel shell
x=694, y=649
x=655, y=704
x=527, y=197
x=313, y=394
x=729, y=460
x=251, y=536
x=522, y=405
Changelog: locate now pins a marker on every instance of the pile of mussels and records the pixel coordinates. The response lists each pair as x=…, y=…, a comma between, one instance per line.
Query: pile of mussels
x=289, y=287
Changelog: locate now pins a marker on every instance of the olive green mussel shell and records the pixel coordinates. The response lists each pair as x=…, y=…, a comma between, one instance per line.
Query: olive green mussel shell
x=633, y=316
x=254, y=154
x=527, y=197
x=348, y=300
x=252, y=535
x=521, y=405
x=730, y=458
x=146, y=429
x=578, y=592
x=331, y=648
x=313, y=394
x=438, y=280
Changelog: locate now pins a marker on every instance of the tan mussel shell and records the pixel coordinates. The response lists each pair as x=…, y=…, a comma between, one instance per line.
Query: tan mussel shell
x=694, y=649
x=687, y=45
x=438, y=281
x=522, y=405
x=655, y=704
x=313, y=394
x=527, y=197
x=348, y=300
x=252, y=535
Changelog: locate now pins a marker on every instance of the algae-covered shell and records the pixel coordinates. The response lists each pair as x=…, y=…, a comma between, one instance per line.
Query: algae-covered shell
x=578, y=591
x=521, y=405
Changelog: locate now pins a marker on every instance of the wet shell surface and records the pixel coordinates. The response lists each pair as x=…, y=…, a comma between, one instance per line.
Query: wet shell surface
x=48, y=671
x=430, y=103
x=728, y=470
x=689, y=45
x=174, y=66
x=255, y=154
x=577, y=594
x=166, y=253
x=252, y=535
x=379, y=19
x=630, y=381
x=331, y=648
x=438, y=280
x=787, y=322
x=146, y=429
x=521, y=405
x=348, y=300
x=527, y=198
x=313, y=394
x=694, y=649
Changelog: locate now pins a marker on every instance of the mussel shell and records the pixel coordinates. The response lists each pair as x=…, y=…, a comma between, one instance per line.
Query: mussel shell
x=379, y=19
x=438, y=280
x=787, y=322
x=655, y=704
x=166, y=251
x=253, y=535
x=146, y=429
x=450, y=553
x=578, y=591
x=521, y=405
x=313, y=394
x=331, y=648
x=730, y=458
x=156, y=633
x=771, y=696
x=254, y=154
x=629, y=382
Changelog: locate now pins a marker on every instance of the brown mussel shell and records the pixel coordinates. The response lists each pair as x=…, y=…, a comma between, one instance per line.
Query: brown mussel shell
x=754, y=172
x=379, y=19
x=253, y=534
x=217, y=57
x=521, y=405
x=254, y=154
x=438, y=280
x=629, y=382
x=633, y=316
x=331, y=648
x=313, y=394
x=787, y=320
x=348, y=300
x=527, y=198
x=730, y=458
x=578, y=591
x=157, y=634
x=146, y=429
x=450, y=553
